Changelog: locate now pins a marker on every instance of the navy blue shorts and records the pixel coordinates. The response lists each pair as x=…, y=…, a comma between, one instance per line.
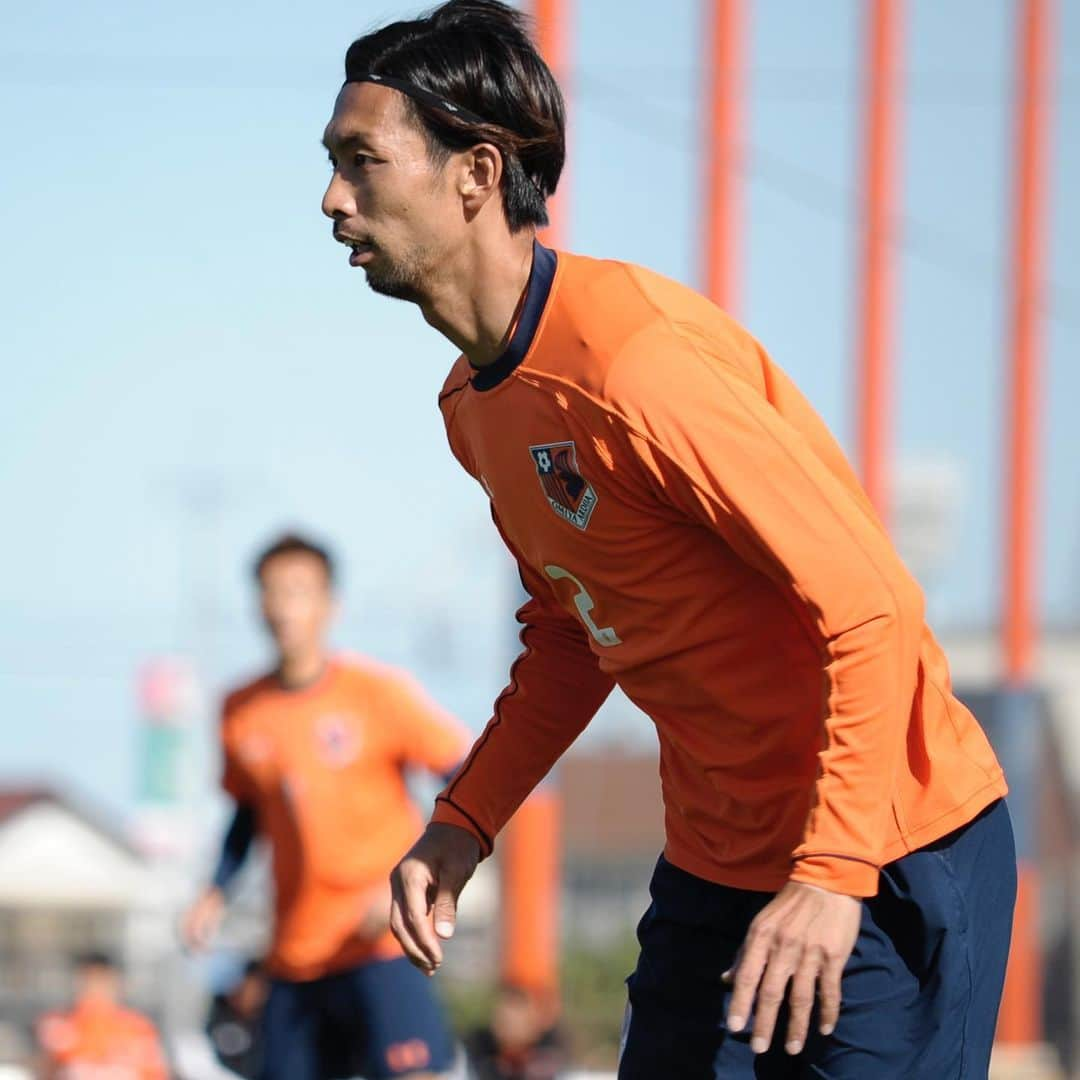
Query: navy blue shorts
x=377, y=1020
x=920, y=991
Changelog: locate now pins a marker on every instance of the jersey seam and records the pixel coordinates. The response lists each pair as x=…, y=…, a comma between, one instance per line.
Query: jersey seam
x=447, y=394
x=991, y=782
x=952, y=724
x=835, y=855
x=449, y=420
x=510, y=691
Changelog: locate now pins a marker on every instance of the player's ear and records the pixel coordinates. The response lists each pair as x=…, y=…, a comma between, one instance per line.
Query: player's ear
x=481, y=174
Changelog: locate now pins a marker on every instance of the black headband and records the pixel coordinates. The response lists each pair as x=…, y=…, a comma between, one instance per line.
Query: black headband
x=417, y=93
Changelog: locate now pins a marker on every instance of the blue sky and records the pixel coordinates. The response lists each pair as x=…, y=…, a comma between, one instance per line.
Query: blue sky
x=190, y=364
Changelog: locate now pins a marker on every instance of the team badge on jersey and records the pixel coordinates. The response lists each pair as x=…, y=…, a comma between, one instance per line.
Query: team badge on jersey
x=337, y=739
x=570, y=495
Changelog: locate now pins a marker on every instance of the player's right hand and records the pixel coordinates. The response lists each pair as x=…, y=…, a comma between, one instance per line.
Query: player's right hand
x=425, y=887
x=202, y=919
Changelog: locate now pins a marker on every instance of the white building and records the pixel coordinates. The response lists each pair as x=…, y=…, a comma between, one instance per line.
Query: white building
x=70, y=883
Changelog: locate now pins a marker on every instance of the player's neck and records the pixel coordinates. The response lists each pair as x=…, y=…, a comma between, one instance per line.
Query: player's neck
x=476, y=300
x=301, y=670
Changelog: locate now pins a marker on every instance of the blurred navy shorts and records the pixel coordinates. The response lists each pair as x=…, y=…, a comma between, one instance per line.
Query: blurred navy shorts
x=378, y=1020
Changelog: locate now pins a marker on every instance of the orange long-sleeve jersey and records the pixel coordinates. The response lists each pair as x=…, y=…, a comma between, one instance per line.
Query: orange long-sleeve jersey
x=323, y=769
x=688, y=528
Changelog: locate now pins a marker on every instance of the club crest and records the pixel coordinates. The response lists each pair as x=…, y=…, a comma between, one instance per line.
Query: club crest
x=570, y=495
x=337, y=739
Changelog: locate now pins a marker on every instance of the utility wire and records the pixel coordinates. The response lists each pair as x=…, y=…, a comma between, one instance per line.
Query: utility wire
x=915, y=237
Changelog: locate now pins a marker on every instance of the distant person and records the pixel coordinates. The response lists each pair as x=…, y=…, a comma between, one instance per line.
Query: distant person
x=233, y=1025
x=523, y=1040
x=98, y=1036
x=315, y=753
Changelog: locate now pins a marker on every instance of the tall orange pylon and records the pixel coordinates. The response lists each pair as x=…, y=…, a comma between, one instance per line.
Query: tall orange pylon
x=1021, y=1007
x=553, y=38
x=1029, y=195
x=530, y=865
x=878, y=204
x=723, y=155
x=531, y=844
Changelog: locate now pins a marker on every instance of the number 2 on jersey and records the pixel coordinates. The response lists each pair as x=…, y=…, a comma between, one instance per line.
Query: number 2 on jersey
x=603, y=635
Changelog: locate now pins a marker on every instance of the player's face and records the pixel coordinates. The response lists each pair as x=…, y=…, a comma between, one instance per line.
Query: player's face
x=297, y=603
x=398, y=212
x=98, y=983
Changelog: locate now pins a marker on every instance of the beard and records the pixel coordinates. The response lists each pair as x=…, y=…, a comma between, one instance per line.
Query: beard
x=399, y=279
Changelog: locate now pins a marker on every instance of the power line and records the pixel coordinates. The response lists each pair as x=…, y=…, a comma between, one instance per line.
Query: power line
x=917, y=238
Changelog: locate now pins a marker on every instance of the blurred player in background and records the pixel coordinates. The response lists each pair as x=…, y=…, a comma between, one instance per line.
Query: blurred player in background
x=314, y=757
x=234, y=1021
x=838, y=847
x=98, y=1036
x=523, y=1040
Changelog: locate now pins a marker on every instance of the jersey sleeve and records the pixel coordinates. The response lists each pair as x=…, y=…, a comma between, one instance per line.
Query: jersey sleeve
x=428, y=736
x=235, y=847
x=235, y=779
x=556, y=686
x=717, y=451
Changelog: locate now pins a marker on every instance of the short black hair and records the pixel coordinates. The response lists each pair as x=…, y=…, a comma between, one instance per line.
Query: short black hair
x=295, y=544
x=478, y=54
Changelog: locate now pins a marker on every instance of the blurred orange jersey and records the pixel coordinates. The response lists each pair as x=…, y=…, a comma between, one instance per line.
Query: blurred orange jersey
x=98, y=1038
x=323, y=769
x=689, y=529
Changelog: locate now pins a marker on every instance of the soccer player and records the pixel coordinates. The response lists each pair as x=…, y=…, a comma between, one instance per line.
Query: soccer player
x=523, y=1041
x=99, y=1036
x=314, y=756
x=836, y=890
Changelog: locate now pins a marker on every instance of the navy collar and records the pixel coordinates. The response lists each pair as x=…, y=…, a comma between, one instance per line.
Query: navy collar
x=536, y=297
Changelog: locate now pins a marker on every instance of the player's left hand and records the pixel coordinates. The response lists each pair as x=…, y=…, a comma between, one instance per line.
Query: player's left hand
x=804, y=936
x=426, y=885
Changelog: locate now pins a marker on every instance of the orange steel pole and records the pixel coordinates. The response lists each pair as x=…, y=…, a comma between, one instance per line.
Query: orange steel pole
x=552, y=37
x=531, y=845
x=1021, y=1008
x=875, y=272
x=723, y=156
x=530, y=864
x=1027, y=266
